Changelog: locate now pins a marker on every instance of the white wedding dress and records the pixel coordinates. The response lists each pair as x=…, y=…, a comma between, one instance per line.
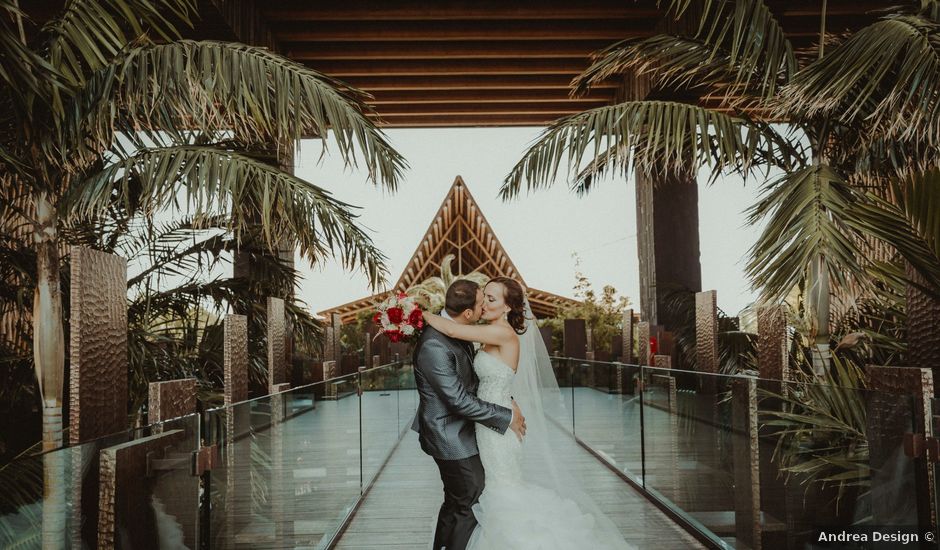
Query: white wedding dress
x=513, y=511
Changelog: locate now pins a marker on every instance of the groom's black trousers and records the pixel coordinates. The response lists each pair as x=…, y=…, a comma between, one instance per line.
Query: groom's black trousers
x=463, y=482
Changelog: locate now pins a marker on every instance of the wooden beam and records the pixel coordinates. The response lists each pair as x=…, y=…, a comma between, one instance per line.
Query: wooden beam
x=381, y=31
x=483, y=96
x=460, y=121
x=347, y=68
x=375, y=83
x=297, y=10
x=465, y=49
x=437, y=109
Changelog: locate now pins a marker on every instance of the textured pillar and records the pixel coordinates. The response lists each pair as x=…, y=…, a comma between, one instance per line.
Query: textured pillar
x=923, y=320
x=772, y=357
x=171, y=399
x=277, y=358
x=235, y=359
x=281, y=468
x=667, y=241
x=329, y=371
x=376, y=361
x=745, y=461
x=97, y=345
x=901, y=398
x=662, y=361
x=706, y=331
x=643, y=343
x=627, y=336
x=575, y=338
x=125, y=515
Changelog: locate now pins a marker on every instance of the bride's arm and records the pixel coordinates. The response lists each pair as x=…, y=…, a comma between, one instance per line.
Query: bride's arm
x=492, y=335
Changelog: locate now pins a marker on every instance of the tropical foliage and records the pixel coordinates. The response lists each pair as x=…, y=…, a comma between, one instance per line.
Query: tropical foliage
x=111, y=122
x=843, y=137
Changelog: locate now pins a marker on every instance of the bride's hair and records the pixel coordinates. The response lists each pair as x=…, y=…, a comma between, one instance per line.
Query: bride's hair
x=514, y=297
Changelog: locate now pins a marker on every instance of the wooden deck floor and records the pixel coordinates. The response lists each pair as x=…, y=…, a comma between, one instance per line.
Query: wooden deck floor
x=311, y=479
x=401, y=508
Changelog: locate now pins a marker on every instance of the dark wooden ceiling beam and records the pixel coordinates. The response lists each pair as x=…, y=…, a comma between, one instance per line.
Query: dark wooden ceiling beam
x=550, y=49
x=471, y=95
x=411, y=31
x=336, y=10
x=457, y=82
x=401, y=67
x=438, y=109
x=490, y=120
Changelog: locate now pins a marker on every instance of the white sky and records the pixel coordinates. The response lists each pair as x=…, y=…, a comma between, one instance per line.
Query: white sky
x=539, y=231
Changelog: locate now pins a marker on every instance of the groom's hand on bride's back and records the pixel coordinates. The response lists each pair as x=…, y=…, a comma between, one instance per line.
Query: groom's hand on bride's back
x=518, y=421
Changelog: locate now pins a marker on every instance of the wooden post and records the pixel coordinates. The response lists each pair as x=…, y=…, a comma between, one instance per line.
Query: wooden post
x=745, y=462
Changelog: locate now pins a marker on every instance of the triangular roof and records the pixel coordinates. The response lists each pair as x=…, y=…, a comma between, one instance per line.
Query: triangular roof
x=458, y=228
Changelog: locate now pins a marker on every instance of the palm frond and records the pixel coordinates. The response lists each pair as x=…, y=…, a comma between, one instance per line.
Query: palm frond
x=259, y=97
x=653, y=135
x=910, y=224
x=743, y=36
x=885, y=76
x=89, y=33
x=215, y=182
x=806, y=213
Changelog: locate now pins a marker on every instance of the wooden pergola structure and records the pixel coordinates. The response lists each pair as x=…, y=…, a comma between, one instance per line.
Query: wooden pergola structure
x=459, y=228
x=459, y=63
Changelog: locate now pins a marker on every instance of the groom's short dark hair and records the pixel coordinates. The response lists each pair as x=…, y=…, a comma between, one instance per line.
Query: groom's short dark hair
x=461, y=296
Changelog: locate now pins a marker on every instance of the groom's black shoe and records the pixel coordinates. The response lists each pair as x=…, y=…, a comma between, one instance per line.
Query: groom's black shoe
x=463, y=483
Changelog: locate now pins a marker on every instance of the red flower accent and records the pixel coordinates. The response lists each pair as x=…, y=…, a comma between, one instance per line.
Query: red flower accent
x=377, y=318
x=394, y=335
x=395, y=315
x=416, y=317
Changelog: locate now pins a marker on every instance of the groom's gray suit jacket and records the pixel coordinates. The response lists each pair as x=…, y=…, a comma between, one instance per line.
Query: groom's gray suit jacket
x=448, y=406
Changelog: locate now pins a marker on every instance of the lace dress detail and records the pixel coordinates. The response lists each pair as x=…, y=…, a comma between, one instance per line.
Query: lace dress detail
x=513, y=513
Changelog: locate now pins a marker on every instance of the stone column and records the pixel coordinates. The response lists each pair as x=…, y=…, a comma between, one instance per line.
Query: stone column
x=237, y=420
x=235, y=359
x=575, y=338
x=667, y=240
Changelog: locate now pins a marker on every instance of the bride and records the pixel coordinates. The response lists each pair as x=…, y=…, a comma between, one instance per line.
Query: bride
x=529, y=499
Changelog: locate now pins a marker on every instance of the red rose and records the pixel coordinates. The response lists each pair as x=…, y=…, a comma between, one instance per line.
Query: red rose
x=415, y=318
x=395, y=315
x=377, y=318
x=394, y=336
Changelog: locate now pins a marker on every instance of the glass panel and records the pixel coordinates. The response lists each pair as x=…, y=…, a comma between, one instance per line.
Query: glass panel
x=407, y=396
x=565, y=374
x=290, y=467
x=380, y=420
x=607, y=414
x=146, y=486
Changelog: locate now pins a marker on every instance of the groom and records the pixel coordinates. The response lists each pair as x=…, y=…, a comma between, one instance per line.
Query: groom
x=447, y=411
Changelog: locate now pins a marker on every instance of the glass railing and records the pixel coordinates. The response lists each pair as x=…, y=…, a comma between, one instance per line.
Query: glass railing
x=283, y=470
x=747, y=462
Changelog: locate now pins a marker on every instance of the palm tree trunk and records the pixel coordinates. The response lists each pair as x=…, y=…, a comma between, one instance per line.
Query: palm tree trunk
x=820, y=307
x=49, y=357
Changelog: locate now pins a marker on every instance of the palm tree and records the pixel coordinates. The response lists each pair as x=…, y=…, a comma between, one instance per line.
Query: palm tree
x=842, y=124
x=100, y=122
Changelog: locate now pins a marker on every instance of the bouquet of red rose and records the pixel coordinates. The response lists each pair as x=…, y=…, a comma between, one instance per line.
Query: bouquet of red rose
x=399, y=317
